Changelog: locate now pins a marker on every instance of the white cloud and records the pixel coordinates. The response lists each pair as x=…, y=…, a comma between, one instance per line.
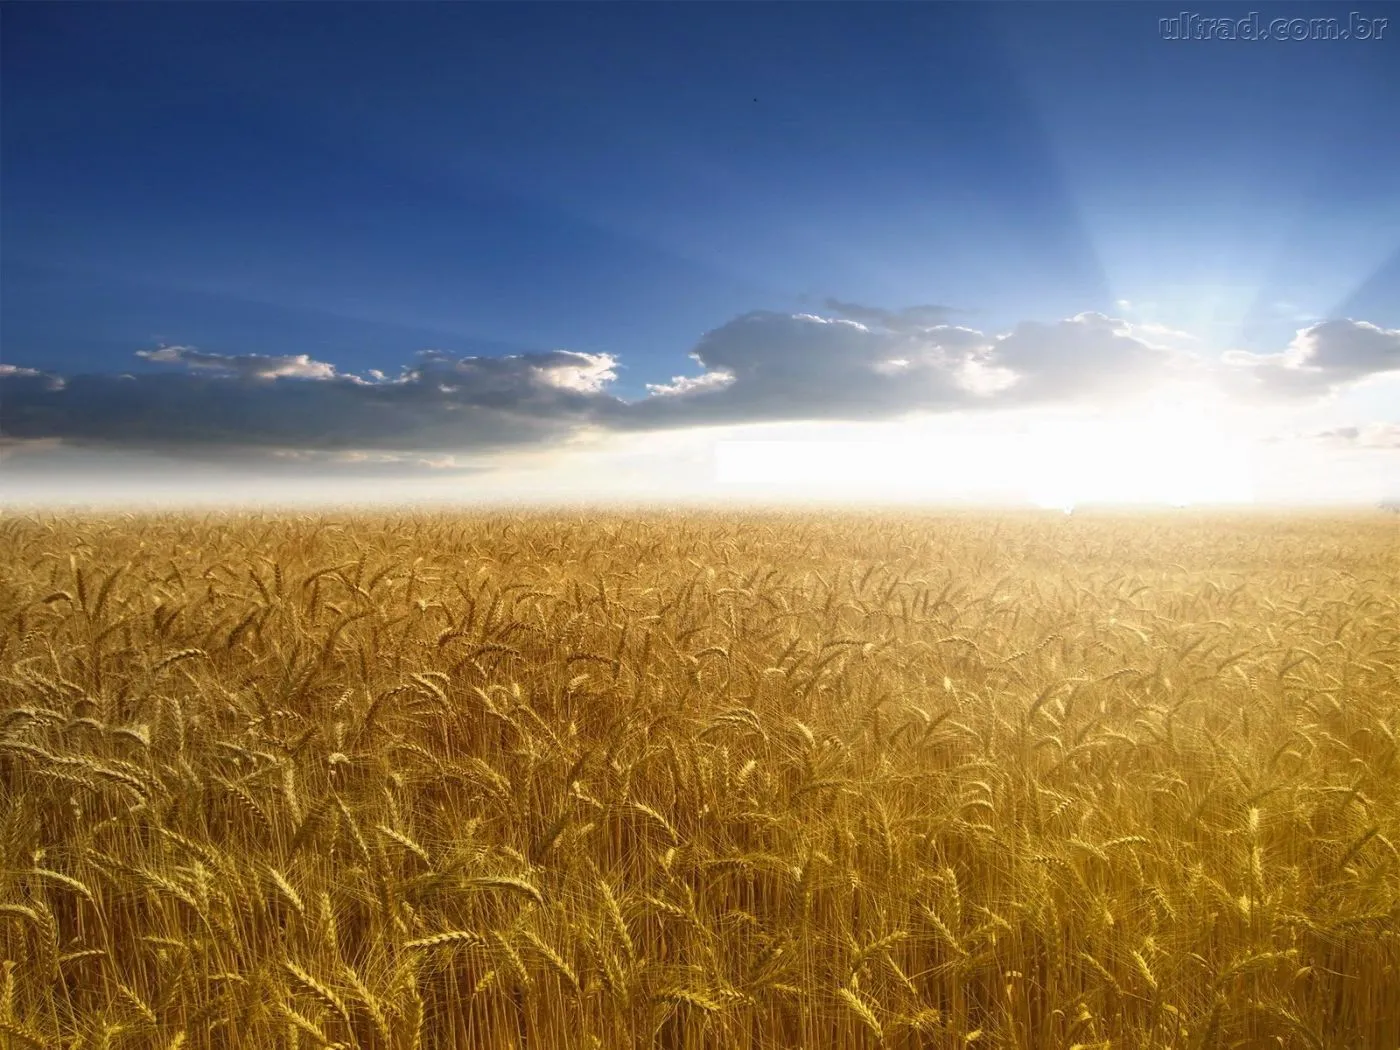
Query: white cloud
x=581, y=373
x=1161, y=336
x=34, y=375
x=247, y=366
x=1087, y=355
x=682, y=385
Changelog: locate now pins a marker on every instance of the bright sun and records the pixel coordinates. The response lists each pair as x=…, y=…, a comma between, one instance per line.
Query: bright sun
x=1170, y=448
x=1166, y=452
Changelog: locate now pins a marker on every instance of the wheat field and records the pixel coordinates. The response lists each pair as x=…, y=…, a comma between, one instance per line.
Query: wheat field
x=764, y=780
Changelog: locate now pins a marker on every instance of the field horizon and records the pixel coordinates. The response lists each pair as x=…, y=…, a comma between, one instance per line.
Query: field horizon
x=805, y=777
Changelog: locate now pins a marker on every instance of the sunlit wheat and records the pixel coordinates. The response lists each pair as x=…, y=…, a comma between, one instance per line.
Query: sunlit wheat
x=699, y=780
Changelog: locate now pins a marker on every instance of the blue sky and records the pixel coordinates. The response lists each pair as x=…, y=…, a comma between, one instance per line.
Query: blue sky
x=359, y=183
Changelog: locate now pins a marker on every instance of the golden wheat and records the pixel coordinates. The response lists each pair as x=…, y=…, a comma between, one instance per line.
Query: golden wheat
x=773, y=780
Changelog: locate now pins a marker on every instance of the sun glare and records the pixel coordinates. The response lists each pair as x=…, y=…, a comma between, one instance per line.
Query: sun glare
x=1169, y=450
x=1173, y=453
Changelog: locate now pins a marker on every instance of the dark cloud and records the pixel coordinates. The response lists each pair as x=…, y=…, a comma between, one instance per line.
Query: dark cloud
x=771, y=366
x=1320, y=359
x=440, y=403
x=782, y=366
x=28, y=378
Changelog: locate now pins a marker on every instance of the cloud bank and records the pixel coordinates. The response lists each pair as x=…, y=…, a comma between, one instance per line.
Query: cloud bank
x=853, y=363
x=1320, y=359
x=1371, y=436
x=439, y=403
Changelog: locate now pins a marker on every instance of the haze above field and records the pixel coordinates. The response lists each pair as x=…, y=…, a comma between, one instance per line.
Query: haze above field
x=986, y=253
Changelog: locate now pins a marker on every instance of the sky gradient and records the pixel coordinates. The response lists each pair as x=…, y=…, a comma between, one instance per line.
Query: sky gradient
x=475, y=250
